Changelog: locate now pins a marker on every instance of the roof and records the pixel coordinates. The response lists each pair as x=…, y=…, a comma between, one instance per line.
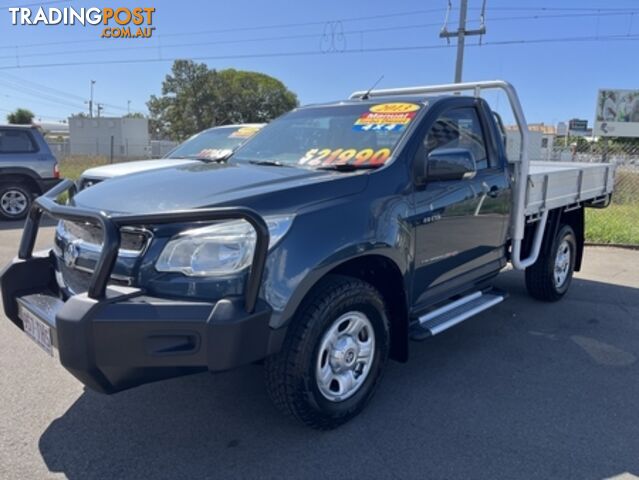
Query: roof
x=241, y=125
x=536, y=127
x=421, y=99
x=13, y=125
x=543, y=128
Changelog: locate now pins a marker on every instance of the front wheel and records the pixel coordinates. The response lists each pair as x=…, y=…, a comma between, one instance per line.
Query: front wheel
x=333, y=356
x=550, y=276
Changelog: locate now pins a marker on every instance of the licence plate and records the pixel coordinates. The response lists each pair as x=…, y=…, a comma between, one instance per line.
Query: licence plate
x=36, y=329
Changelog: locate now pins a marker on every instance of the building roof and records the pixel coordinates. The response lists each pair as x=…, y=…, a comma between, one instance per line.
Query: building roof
x=543, y=128
x=537, y=127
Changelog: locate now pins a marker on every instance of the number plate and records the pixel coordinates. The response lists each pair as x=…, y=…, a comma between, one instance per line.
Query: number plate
x=36, y=329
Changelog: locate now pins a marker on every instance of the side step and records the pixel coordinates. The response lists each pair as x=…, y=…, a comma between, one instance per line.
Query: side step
x=453, y=313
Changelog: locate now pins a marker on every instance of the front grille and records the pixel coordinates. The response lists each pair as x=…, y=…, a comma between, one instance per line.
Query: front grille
x=78, y=246
x=75, y=280
x=86, y=235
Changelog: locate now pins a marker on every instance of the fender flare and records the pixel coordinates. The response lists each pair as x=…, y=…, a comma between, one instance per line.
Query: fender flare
x=335, y=260
x=22, y=171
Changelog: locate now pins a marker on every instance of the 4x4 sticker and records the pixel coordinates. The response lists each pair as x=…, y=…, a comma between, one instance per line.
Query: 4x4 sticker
x=327, y=156
x=390, y=117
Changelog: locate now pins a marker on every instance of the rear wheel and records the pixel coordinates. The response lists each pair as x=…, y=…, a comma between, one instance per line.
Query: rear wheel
x=550, y=277
x=15, y=201
x=333, y=356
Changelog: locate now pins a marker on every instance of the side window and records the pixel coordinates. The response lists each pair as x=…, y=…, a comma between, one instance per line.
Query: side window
x=16, y=141
x=459, y=128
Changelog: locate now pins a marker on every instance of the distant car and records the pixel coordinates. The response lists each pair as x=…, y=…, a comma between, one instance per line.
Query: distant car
x=213, y=144
x=27, y=169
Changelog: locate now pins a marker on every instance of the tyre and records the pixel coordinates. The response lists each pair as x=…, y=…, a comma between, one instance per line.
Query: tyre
x=15, y=201
x=550, y=276
x=333, y=356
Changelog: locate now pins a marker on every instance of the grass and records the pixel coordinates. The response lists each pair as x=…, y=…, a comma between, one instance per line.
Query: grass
x=619, y=223
x=72, y=167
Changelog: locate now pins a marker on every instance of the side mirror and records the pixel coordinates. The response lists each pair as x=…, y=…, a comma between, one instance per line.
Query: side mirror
x=450, y=164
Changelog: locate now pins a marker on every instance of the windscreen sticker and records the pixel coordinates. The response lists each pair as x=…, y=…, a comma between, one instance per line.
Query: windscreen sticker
x=214, y=153
x=389, y=117
x=244, y=132
x=396, y=107
x=328, y=156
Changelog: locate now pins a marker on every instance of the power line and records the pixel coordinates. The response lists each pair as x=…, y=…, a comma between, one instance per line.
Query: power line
x=34, y=93
x=558, y=9
x=302, y=36
x=246, y=28
x=38, y=102
x=590, y=38
x=45, y=88
x=50, y=92
x=227, y=42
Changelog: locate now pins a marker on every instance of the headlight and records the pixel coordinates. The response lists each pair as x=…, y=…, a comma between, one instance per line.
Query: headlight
x=219, y=249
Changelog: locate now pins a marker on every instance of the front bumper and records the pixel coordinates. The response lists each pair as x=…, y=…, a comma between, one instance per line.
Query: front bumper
x=127, y=338
x=113, y=337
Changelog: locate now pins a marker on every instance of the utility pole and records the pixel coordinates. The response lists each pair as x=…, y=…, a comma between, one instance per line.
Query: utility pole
x=461, y=34
x=128, y=107
x=91, y=100
x=100, y=108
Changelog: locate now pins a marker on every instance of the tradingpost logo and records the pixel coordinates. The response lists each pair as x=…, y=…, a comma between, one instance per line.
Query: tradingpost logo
x=116, y=22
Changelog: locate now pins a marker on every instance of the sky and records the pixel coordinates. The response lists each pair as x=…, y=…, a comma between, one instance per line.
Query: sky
x=326, y=49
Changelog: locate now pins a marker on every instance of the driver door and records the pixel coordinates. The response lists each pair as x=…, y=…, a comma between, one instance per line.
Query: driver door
x=460, y=225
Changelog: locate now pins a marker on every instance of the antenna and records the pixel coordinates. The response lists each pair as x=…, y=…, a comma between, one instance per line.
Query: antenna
x=368, y=92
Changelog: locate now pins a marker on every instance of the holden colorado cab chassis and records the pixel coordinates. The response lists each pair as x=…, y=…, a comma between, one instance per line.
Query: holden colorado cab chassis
x=324, y=244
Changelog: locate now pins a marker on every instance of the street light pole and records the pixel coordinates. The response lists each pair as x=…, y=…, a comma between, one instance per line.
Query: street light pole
x=91, y=100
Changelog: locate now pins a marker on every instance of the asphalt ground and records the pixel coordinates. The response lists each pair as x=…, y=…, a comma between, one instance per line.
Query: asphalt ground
x=525, y=390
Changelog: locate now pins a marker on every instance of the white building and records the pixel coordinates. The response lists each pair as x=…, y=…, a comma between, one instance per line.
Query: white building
x=513, y=143
x=541, y=141
x=109, y=136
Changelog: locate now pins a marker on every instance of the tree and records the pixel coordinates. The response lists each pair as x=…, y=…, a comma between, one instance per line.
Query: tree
x=21, y=116
x=134, y=115
x=195, y=98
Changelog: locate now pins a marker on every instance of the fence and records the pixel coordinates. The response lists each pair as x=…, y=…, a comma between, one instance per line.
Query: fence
x=619, y=223
x=112, y=151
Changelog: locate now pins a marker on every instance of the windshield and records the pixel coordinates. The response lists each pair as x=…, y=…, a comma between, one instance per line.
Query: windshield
x=215, y=143
x=361, y=135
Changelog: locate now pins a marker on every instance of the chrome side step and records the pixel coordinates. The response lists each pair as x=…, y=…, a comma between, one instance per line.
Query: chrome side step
x=453, y=313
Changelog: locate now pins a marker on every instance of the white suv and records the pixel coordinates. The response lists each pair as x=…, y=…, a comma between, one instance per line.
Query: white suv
x=212, y=145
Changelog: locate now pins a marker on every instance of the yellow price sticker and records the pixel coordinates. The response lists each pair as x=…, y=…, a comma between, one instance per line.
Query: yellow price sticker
x=396, y=107
x=328, y=156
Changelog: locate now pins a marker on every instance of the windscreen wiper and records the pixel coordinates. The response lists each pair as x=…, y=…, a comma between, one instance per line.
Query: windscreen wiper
x=205, y=159
x=268, y=163
x=347, y=167
x=220, y=159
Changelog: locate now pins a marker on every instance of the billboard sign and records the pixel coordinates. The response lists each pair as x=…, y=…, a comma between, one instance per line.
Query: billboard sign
x=577, y=125
x=617, y=113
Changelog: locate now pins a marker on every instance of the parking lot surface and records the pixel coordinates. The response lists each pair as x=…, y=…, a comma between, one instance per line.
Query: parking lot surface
x=525, y=390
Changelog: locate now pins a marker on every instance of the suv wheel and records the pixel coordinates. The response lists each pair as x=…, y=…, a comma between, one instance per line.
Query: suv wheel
x=15, y=201
x=549, y=278
x=333, y=356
